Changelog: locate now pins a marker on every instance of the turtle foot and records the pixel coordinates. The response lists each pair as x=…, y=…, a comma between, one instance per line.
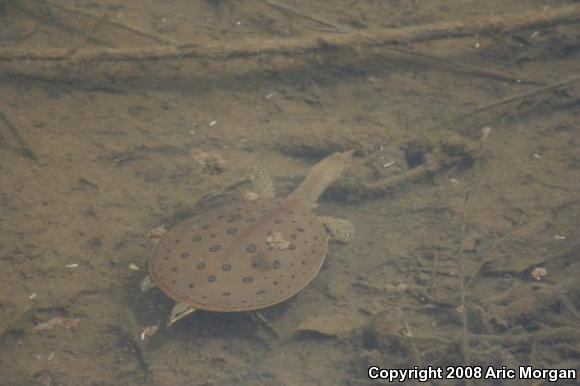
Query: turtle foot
x=338, y=229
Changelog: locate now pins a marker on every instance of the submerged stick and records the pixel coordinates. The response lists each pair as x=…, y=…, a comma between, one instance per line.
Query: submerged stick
x=259, y=48
x=517, y=97
x=104, y=19
x=24, y=149
x=308, y=16
x=265, y=324
x=465, y=68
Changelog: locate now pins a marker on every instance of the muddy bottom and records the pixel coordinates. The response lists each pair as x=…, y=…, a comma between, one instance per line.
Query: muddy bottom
x=118, y=118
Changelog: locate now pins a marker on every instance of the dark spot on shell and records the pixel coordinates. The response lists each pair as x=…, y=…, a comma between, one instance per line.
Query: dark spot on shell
x=177, y=241
x=303, y=262
x=261, y=292
x=196, y=239
x=221, y=217
x=211, y=278
x=276, y=264
x=239, y=208
x=174, y=269
x=290, y=212
x=300, y=229
x=212, y=236
x=205, y=227
x=214, y=248
x=191, y=285
x=293, y=236
x=291, y=247
x=275, y=283
x=200, y=265
x=251, y=248
x=278, y=221
x=260, y=263
x=232, y=231
x=226, y=293
x=185, y=255
x=315, y=237
x=226, y=267
x=305, y=241
x=248, y=279
x=173, y=282
x=293, y=277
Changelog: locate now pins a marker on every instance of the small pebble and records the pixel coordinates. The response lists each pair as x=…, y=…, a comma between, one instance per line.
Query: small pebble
x=134, y=267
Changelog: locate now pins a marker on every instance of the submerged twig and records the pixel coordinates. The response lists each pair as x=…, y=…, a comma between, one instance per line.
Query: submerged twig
x=24, y=149
x=265, y=324
x=103, y=19
x=259, y=48
x=291, y=10
x=462, y=307
x=520, y=96
x=465, y=68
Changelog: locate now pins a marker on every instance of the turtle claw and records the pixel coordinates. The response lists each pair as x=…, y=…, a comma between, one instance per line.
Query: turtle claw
x=180, y=310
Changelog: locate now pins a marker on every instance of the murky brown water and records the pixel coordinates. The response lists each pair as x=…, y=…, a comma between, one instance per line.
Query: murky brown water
x=464, y=186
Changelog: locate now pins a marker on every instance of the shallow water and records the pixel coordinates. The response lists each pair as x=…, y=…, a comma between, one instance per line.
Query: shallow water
x=463, y=189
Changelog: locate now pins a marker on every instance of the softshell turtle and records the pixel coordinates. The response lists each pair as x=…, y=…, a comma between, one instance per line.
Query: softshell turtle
x=249, y=254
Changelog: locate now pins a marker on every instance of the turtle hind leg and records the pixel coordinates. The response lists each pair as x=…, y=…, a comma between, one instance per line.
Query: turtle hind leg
x=179, y=311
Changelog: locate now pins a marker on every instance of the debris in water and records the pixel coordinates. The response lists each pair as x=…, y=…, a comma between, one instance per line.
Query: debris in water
x=149, y=331
x=325, y=326
x=57, y=321
x=276, y=241
x=210, y=162
x=157, y=234
x=538, y=273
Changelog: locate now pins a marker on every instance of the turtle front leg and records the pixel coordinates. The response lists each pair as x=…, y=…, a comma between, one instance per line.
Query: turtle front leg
x=179, y=311
x=262, y=184
x=338, y=229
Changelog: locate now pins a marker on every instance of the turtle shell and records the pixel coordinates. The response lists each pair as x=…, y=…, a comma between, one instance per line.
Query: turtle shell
x=242, y=256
